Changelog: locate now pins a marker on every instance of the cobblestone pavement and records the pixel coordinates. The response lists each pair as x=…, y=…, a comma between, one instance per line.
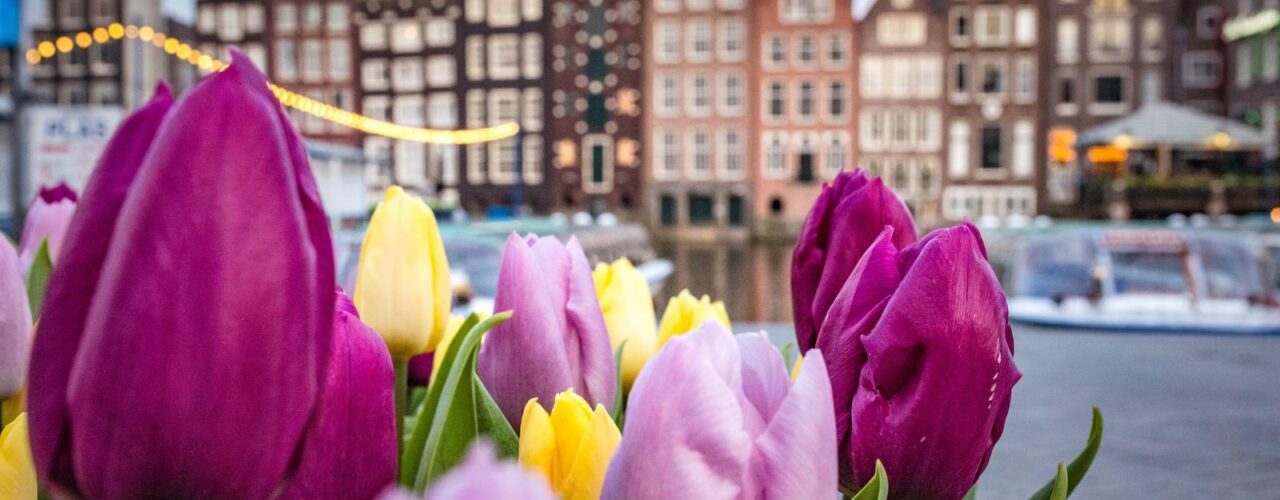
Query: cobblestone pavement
x=1187, y=416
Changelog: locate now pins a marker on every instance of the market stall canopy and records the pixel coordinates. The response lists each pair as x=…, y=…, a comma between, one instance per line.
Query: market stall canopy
x=1177, y=126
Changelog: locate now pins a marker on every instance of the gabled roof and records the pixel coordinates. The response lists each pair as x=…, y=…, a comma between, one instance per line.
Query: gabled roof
x=1178, y=126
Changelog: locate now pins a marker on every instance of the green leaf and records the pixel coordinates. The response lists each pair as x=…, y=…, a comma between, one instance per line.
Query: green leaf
x=1060, y=484
x=1079, y=466
x=619, y=398
x=787, y=354
x=877, y=488
x=412, y=456
x=454, y=421
x=972, y=494
x=493, y=423
x=38, y=278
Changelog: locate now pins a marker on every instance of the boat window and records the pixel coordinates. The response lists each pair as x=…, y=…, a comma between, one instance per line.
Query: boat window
x=1056, y=268
x=1231, y=270
x=1149, y=273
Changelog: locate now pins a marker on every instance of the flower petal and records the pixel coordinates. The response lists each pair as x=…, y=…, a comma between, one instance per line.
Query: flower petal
x=796, y=456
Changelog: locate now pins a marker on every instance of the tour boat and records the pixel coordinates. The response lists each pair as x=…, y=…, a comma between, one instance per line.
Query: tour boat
x=1144, y=280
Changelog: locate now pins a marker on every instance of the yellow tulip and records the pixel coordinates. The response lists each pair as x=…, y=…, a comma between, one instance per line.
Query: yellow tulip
x=402, y=284
x=685, y=313
x=12, y=407
x=571, y=447
x=795, y=369
x=627, y=305
x=17, y=470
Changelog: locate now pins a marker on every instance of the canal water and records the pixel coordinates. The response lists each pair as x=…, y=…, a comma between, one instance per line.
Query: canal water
x=753, y=280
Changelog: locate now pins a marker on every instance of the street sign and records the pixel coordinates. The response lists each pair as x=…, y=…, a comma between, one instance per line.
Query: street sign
x=63, y=143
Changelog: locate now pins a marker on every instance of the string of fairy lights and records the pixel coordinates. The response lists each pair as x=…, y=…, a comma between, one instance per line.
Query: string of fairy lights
x=205, y=62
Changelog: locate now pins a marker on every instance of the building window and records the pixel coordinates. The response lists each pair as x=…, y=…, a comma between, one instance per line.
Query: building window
x=1151, y=86
x=1068, y=41
x=732, y=39
x=1109, y=38
x=837, y=50
x=441, y=71
x=837, y=154
x=668, y=209
x=699, y=41
x=597, y=164
x=533, y=113
x=668, y=35
x=700, y=155
x=1108, y=89
x=312, y=60
x=1202, y=69
x=807, y=51
x=1025, y=74
x=1024, y=26
x=532, y=9
x=206, y=20
x=699, y=95
x=807, y=100
x=993, y=77
x=336, y=17
x=805, y=159
x=901, y=29
x=669, y=153
x=476, y=54
x=286, y=60
x=440, y=33
x=775, y=164
x=286, y=17
x=1209, y=22
x=958, y=161
x=1023, y=149
x=777, y=50
x=531, y=63
x=503, y=13
x=871, y=76
x=732, y=154
x=1066, y=90
x=992, y=25
x=961, y=26
x=373, y=74
x=991, y=148
x=732, y=95
x=1153, y=36
x=928, y=124
x=701, y=209
x=777, y=100
x=959, y=79
x=407, y=74
x=312, y=16
x=230, y=28
x=668, y=92
x=504, y=57
x=373, y=36
x=836, y=100
x=406, y=37
x=254, y=18
x=899, y=129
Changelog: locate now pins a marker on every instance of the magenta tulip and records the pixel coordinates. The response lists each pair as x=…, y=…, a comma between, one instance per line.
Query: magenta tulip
x=189, y=320
x=715, y=416
x=845, y=219
x=15, y=323
x=920, y=354
x=47, y=219
x=351, y=450
x=556, y=337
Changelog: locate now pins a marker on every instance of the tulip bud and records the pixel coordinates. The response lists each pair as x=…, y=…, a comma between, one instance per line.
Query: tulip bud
x=351, y=450
x=556, y=337
x=194, y=300
x=402, y=285
x=17, y=472
x=920, y=353
x=15, y=323
x=47, y=219
x=571, y=447
x=715, y=416
x=845, y=219
x=627, y=305
x=481, y=475
x=685, y=313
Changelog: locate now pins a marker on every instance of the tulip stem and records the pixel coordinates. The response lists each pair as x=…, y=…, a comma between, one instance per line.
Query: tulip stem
x=401, y=367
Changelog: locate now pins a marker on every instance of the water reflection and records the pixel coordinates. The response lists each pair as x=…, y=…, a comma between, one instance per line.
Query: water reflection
x=753, y=279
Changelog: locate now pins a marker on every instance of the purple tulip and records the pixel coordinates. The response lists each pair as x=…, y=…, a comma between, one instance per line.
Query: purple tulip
x=351, y=450
x=716, y=416
x=556, y=337
x=481, y=475
x=845, y=219
x=920, y=354
x=15, y=323
x=47, y=218
x=192, y=310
